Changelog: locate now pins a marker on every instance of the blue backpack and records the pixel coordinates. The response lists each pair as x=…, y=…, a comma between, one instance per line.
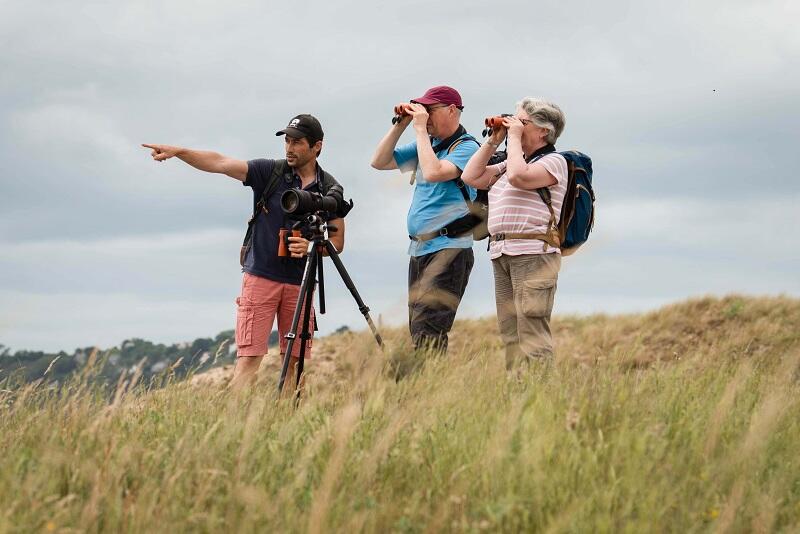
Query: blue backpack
x=577, y=211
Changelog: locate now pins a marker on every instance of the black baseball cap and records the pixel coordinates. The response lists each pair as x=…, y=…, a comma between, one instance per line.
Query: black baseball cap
x=303, y=125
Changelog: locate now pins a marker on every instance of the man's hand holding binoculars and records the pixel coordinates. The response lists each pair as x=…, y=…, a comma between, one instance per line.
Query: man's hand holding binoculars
x=402, y=115
x=419, y=117
x=406, y=112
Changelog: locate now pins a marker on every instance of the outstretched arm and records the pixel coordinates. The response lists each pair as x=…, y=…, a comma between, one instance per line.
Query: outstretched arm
x=205, y=160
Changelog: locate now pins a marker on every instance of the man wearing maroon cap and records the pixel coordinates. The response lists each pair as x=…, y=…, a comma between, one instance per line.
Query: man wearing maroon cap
x=441, y=260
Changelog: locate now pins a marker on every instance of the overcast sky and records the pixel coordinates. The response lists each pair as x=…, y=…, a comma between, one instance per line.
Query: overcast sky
x=689, y=110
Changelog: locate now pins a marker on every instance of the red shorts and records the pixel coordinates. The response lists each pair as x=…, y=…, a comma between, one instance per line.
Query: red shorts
x=261, y=300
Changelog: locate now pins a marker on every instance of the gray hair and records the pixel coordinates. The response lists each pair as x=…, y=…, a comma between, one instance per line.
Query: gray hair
x=544, y=114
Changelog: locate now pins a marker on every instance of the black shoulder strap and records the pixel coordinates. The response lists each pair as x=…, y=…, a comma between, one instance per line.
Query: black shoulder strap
x=463, y=188
x=278, y=171
x=450, y=143
x=274, y=179
x=326, y=181
x=441, y=145
x=540, y=153
x=544, y=192
x=459, y=182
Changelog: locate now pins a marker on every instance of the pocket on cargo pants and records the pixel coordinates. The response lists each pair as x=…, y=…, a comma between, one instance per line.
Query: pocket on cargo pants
x=245, y=312
x=537, y=297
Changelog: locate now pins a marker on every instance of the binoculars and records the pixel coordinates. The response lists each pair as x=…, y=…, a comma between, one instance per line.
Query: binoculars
x=493, y=123
x=283, y=241
x=399, y=113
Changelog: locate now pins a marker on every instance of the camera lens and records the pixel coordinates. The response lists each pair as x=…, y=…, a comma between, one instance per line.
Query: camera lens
x=290, y=201
x=298, y=203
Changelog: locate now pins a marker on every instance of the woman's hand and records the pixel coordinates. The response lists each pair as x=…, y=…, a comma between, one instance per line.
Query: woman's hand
x=498, y=135
x=298, y=247
x=514, y=126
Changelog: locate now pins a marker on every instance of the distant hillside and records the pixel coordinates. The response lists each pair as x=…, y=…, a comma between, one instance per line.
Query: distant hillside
x=706, y=329
x=132, y=355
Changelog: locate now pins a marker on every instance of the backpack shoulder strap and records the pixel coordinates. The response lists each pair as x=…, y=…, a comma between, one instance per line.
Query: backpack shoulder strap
x=274, y=179
x=463, y=188
x=459, y=182
x=278, y=169
x=461, y=140
x=552, y=234
x=326, y=181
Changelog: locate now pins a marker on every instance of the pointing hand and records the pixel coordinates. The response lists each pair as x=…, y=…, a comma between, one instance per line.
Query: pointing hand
x=162, y=152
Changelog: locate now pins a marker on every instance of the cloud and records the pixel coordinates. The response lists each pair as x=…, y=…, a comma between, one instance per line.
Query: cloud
x=689, y=112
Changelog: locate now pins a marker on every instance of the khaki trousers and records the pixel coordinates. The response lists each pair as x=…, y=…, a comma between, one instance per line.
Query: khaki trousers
x=524, y=288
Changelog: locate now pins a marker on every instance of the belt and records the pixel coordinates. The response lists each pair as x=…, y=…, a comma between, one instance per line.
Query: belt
x=547, y=238
x=502, y=236
x=421, y=238
x=427, y=237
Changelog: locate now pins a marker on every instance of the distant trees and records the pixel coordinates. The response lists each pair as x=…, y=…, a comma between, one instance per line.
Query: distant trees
x=132, y=354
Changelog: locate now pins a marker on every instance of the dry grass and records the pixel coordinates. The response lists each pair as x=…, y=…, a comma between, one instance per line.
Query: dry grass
x=684, y=419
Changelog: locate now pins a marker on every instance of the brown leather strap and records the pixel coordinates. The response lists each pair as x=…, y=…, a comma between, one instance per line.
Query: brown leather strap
x=551, y=238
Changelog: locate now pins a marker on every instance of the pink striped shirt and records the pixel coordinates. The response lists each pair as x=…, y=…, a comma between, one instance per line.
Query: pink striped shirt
x=514, y=210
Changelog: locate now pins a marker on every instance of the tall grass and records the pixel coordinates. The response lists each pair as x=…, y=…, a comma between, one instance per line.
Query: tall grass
x=685, y=419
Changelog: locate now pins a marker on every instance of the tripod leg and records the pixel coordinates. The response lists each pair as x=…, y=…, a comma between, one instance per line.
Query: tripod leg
x=363, y=308
x=321, y=283
x=291, y=334
x=306, y=331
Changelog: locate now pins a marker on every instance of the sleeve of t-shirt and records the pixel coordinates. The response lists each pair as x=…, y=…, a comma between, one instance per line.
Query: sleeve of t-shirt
x=462, y=153
x=258, y=172
x=556, y=165
x=406, y=156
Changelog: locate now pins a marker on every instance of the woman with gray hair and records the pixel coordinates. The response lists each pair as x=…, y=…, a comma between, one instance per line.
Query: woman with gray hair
x=524, y=244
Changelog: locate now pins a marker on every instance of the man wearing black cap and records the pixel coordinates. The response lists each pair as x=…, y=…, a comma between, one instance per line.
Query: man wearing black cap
x=271, y=283
x=440, y=262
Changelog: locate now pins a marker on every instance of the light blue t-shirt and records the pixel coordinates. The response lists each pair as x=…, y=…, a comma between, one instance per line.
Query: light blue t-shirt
x=436, y=204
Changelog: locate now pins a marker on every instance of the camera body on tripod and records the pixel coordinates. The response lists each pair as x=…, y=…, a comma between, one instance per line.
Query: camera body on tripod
x=299, y=203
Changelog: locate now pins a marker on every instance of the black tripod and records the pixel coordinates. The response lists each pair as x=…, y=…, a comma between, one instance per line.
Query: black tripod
x=319, y=239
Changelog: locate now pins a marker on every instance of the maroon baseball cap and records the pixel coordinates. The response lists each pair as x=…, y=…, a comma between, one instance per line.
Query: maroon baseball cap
x=441, y=94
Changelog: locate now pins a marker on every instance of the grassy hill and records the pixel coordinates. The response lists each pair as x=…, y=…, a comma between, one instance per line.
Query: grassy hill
x=683, y=419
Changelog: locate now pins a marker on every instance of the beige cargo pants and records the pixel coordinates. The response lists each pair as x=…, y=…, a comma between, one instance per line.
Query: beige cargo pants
x=524, y=288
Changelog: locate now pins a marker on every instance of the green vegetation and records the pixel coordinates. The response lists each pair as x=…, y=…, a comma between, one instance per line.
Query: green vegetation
x=149, y=359
x=686, y=419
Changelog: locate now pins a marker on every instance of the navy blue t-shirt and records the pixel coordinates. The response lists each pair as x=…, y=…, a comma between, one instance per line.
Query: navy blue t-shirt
x=262, y=259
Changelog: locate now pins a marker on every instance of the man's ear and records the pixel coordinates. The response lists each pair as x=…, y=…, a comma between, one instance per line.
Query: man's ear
x=318, y=146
